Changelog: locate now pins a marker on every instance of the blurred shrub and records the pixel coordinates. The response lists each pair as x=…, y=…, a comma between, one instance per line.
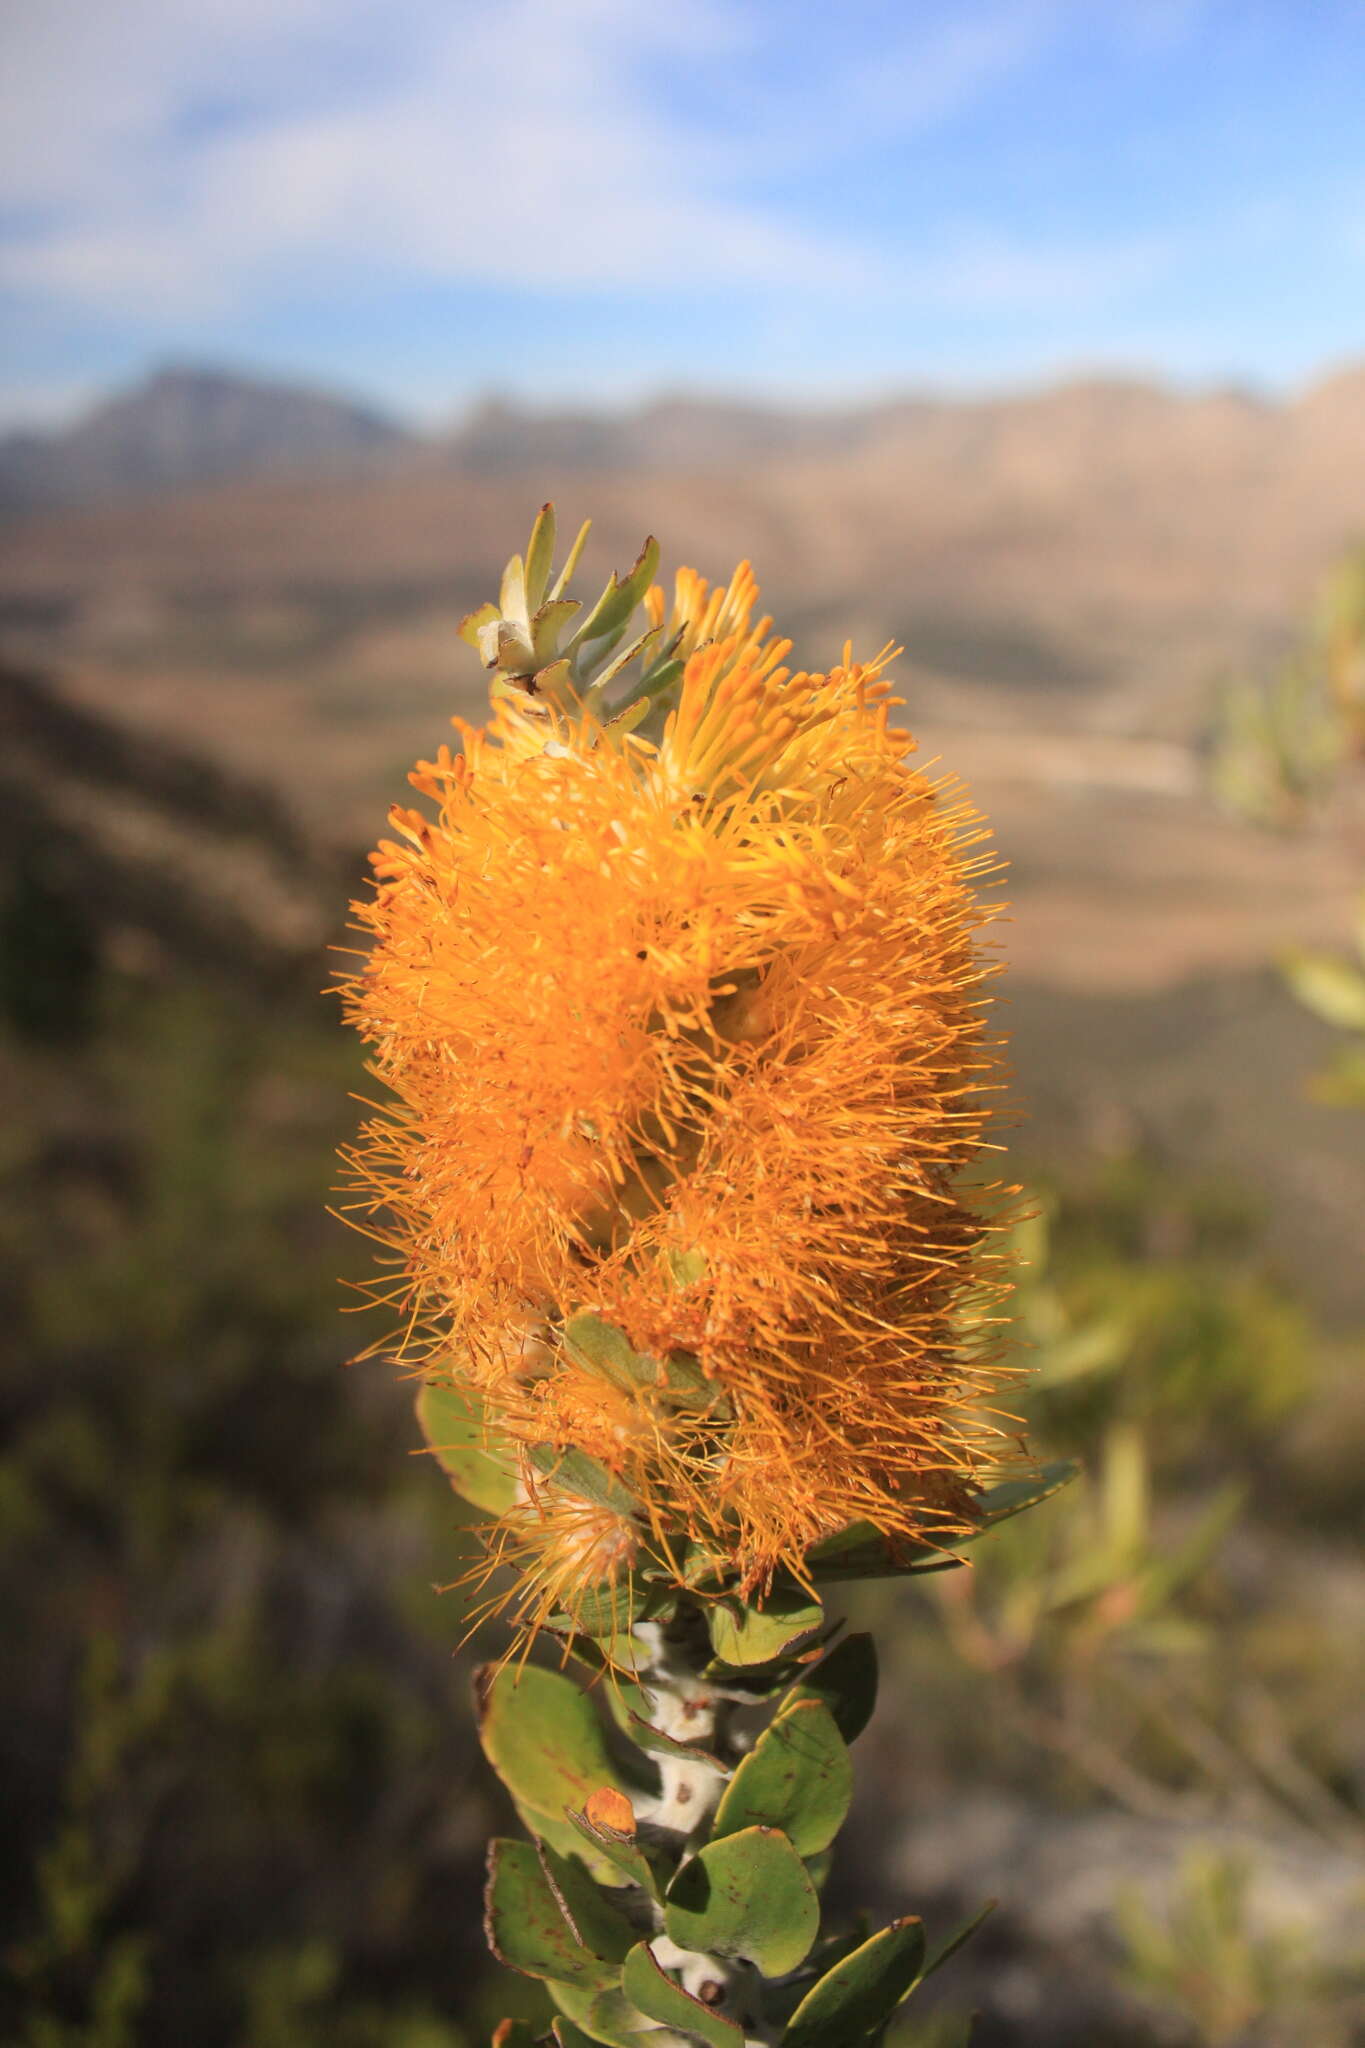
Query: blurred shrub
x=236, y=1761
x=1332, y=986
x=1279, y=743
x=1226, y=1978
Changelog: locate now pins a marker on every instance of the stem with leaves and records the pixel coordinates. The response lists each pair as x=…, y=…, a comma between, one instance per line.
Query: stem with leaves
x=683, y=1802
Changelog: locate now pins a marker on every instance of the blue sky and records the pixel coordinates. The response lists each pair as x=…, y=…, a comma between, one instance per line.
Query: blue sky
x=423, y=200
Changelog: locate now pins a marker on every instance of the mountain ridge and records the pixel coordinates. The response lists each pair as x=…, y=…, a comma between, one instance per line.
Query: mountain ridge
x=189, y=424
x=186, y=425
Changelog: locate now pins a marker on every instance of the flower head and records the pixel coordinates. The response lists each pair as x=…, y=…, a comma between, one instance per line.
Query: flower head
x=683, y=1014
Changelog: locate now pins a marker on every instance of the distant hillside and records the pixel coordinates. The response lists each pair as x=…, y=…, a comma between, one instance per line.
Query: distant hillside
x=191, y=426
x=669, y=433
x=1093, y=440
x=150, y=839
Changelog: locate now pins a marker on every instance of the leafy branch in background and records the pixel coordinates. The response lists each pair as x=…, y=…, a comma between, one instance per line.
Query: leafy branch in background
x=680, y=1007
x=1210, y=1964
x=1332, y=986
x=1082, y=1612
x=1281, y=751
x=1279, y=745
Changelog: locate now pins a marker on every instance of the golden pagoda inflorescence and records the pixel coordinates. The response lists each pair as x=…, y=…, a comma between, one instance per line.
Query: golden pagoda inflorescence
x=680, y=1001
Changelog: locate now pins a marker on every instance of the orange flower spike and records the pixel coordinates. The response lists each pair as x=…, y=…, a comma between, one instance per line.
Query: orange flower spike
x=685, y=1026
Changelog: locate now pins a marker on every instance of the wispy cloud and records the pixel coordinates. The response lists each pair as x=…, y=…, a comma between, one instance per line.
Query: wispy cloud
x=421, y=193
x=183, y=159
x=518, y=145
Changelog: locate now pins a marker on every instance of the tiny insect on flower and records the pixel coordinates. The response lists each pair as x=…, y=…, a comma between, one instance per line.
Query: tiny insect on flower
x=682, y=1006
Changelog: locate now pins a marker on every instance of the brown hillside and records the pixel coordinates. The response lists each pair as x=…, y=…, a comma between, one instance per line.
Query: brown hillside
x=1068, y=571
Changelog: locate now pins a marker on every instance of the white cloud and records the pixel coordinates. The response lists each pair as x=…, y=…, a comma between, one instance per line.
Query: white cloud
x=931, y=69
x=985, y=271
x=175, y=157
x=173, y=163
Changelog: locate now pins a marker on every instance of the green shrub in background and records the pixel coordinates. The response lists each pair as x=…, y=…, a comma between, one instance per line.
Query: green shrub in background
x=237, y=1783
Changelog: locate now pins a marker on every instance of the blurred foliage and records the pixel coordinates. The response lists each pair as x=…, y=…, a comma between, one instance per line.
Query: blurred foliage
x=239, y=1766
x=1333, y=987
x=1161, y=1357
x=243, y=1800
x=1164, y=1635
x=1227, y=1978
x=1277, y=747
x=1137, y=1617
x=236, y=1750
x=1280, y=750
x=1280, y=743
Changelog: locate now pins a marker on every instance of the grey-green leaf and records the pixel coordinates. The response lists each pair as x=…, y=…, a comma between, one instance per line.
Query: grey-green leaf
x=659, y=1998
x=862, y=1552
x=762, y=1633
x=1013, y=1496
x=526, y=1927
x=847, y=1683
x=565, y=2034
x=950, y=1947
x=798, y=1777
x=624, y=1852
x=851, y=2002
x=540, y=554
x=480, y=1470
x=609, y=1351
x=746, y=1895
x=596, y=1924
x=587, y=1477
x=543, y=1738
x=604, y=2016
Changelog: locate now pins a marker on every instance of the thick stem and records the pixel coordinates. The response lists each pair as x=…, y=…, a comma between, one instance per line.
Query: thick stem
x=683, y=1704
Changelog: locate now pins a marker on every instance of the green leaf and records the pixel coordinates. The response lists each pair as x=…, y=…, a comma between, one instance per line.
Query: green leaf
x=646, y=1736
x=659, y=1998
x=609, y=1351
x=565, y=576
x=607, y=1613
x=540, y=554
x=512, y=595
x=607, y=621
x=642, y=644
x=544, y=1740
x=526, y=1927
x=744, y=1634
x=578, y=1473
x=504, y=646
x=853, y=2000
x=565, y=2034
x=545, y=627
x=687, y=1384
x=1012, y=1496
x=797, y=1777
x=462, y=1444
x=746, y=1895
x=781, y=2003
x=473, y=623
x=950, y=1947
x=606, y=2016
x=625, y=1853
x=846, y=1682
x=861, y=1551
x=596, y=1925
x=687, y=1268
